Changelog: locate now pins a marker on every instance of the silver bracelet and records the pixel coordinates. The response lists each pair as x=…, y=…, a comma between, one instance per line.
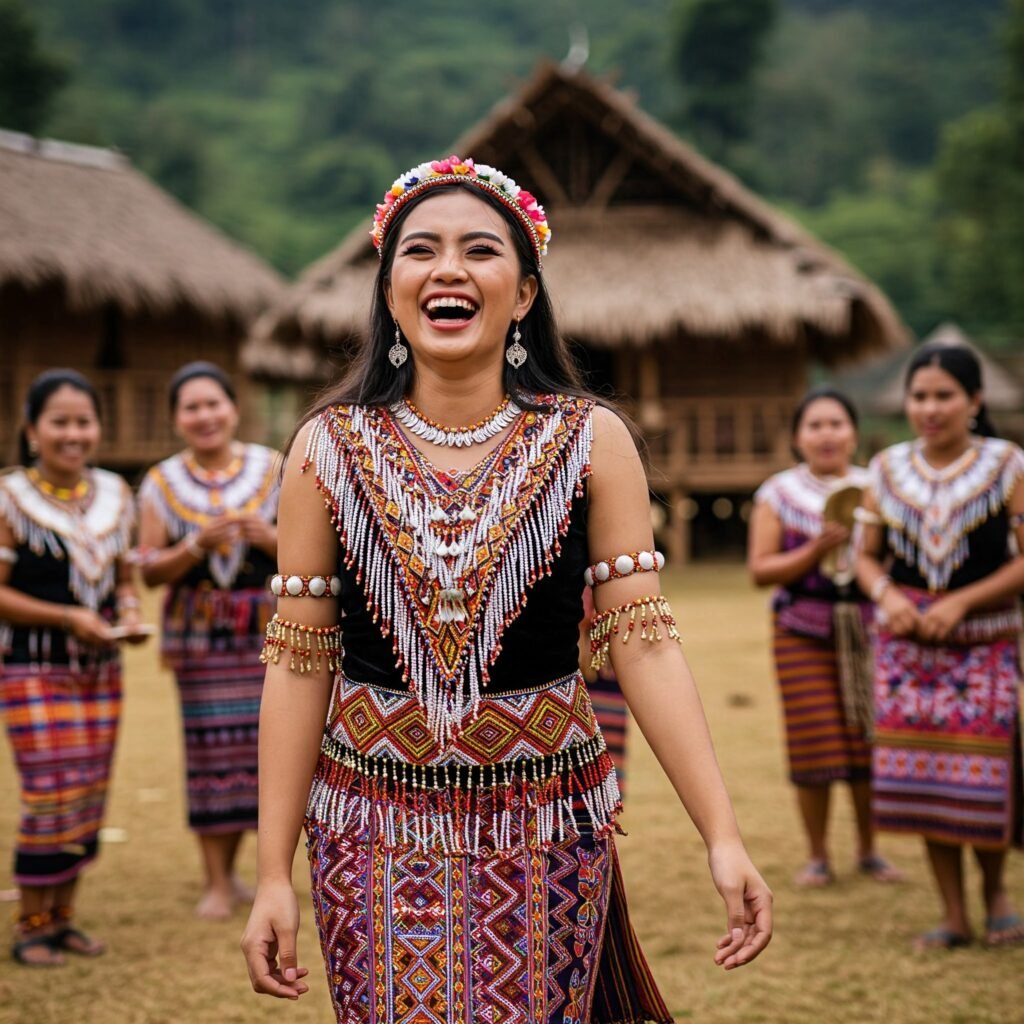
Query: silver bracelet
x=879, y=587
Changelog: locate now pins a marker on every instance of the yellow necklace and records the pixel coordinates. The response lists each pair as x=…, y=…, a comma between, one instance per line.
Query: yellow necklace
x=65, y=494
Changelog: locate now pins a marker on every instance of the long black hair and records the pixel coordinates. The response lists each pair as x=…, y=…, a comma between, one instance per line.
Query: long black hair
x=39, y=393
x=370, y=379
x=964, y=367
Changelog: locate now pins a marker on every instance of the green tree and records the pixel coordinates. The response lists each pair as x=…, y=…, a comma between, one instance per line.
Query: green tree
x=30, y=78
x=718, y=45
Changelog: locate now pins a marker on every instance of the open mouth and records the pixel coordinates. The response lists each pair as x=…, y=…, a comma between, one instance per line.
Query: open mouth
x=450, y=309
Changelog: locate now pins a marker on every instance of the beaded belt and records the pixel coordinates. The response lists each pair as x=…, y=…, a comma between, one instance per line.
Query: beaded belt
x=529, y=770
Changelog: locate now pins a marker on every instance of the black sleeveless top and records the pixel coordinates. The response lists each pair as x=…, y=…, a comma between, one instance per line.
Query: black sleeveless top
x=537, y=647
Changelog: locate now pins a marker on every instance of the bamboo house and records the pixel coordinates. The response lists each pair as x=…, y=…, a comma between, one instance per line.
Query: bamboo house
x=102, y=271
x=693, y=301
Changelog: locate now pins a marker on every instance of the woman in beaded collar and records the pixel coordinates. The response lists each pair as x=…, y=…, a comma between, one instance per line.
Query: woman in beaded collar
x=207, y=531
x=432, y=537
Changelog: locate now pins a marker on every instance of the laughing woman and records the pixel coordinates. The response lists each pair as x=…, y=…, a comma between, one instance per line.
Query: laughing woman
x=207, y=531
x=446, y=497
x=64, y=532
x=942, y=513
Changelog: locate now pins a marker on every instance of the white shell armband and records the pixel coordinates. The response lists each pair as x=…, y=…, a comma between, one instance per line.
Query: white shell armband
x=623, y=565
x=8, y=555
x=283, y=585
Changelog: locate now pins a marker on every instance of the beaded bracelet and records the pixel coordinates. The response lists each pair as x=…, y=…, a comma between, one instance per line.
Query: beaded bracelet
x=306, y=644
x=879, y=587
x=623, y=565
x=654, y=610
x=867, y=517
x=282, y=585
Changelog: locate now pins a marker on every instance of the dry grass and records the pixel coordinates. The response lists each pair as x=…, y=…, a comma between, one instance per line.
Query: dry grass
x=840, y=956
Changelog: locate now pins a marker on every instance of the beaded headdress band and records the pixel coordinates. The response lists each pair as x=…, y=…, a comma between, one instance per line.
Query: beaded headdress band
x=516, y=200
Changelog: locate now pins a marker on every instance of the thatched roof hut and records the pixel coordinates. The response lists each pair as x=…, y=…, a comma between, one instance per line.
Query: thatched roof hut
x=103, y=271
x=651, y=241
x=86, y=219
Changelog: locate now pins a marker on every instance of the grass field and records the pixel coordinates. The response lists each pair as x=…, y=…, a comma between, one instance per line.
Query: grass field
x=840, y=956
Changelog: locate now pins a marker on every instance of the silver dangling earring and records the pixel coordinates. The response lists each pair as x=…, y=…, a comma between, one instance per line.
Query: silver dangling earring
x=398, y=353
x=516, y=354
x=33, y=448
x=972, y=423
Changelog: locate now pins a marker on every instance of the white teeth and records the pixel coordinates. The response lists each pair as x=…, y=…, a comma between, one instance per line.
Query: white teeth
x=450, y=301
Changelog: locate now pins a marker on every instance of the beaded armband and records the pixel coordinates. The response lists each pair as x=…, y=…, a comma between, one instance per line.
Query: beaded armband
x=282, y=585
x=307, y=645
x=8, y=555
x=656, y=622
x=623, y=565
x=1017, y=520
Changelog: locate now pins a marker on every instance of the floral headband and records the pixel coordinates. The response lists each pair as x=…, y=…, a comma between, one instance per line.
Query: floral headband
x=443, y=172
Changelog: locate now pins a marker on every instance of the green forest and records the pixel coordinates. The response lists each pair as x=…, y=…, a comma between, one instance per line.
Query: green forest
x=893, y=129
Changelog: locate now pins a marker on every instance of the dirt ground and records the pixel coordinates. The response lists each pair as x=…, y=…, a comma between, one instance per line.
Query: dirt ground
x=840, y=955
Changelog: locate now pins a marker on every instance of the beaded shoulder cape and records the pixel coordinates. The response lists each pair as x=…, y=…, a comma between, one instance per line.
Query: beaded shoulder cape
x=92, y=537
x=186, y=499
x=929, y=512
x=797, y=496
x=447, y=560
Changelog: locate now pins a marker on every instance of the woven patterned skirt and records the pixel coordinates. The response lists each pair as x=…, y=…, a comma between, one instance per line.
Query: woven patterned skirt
x=947, y=741
x=62, y=728
x=613, y=718
x=821, y=745
x=476, y=883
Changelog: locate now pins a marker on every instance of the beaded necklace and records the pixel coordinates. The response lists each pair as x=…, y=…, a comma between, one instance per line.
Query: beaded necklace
x=455, y=437
x=62, y=494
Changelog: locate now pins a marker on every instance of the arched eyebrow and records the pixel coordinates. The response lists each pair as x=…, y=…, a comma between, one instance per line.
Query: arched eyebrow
x=469, y=236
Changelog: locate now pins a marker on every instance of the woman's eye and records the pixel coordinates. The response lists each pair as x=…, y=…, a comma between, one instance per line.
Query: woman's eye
x=483, y=250
x=416, y=250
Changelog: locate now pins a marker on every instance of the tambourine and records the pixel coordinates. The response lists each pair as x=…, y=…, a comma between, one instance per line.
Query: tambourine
x=840, y=505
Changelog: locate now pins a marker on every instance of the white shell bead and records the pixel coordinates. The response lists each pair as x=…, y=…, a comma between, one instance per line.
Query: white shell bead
x=602, y=571
x=317, y=586
x=294, y=585
x=624, y=565
x=659, y=559
x=335, y=586
x=275, y=585
x=588, y=577
x=646, y=560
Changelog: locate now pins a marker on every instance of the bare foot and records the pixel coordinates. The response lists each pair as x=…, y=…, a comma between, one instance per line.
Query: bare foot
x=216, y=905
x=243, y=893
x=815, y=874
x=879, y=869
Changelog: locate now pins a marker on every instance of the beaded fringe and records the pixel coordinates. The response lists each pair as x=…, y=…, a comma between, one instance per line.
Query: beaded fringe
x=308, y=646
x=460, y=810
x=654, y=612
x=449, y=697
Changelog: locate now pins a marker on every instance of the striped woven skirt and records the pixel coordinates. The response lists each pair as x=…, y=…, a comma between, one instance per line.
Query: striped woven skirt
x=475, y=883
x=613, y=718
x=62, y=728
x=947, y=741
x=821, y=745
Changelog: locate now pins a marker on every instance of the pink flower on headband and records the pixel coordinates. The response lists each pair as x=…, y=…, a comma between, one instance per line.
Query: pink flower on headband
x=531, y=214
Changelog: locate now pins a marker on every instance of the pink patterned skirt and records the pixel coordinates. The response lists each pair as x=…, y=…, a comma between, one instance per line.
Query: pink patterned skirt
x=947, y=741
x=478, y=882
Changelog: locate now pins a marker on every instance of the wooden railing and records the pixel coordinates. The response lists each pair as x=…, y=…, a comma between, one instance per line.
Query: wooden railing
x=716, y=441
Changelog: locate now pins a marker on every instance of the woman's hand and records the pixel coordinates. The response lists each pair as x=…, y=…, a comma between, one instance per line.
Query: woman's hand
x=898, y=614
x=257, y=532
x=130, y=619
x=942, y=618
x=269, y=942
x=833, y=535
x=222, y=531
x=85, y=625
x=748, y=904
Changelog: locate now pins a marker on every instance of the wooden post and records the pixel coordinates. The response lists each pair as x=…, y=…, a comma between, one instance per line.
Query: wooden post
x=651, y=413
x=677, y=535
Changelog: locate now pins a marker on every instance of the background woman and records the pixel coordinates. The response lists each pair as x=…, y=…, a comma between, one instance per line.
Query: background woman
x=462, y=801
x=207, y=529
x=938, y=561
x=64, y=532
x=788, y=540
